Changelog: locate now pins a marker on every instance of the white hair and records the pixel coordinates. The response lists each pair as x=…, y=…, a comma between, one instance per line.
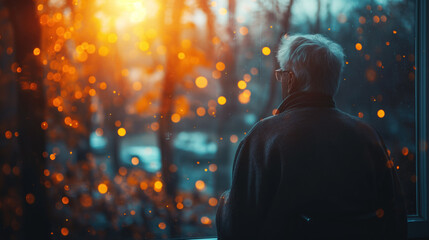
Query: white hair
x=316, y=61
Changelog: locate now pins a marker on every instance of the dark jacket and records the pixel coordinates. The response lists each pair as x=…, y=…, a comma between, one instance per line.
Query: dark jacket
x=312, y=172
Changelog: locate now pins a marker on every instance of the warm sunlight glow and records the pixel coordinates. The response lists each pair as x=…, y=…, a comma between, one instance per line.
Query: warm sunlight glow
x=134, y=11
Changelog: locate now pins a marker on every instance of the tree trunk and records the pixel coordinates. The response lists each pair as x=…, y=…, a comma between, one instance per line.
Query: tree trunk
x=171, y=36
x=285, y=22
x=230, y=91
x=31, y=109
x=317, y=23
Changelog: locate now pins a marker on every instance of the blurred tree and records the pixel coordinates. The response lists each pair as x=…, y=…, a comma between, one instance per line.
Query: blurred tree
x=31, y=110
x=228, y=84
x=283, y=16
x=170, y=29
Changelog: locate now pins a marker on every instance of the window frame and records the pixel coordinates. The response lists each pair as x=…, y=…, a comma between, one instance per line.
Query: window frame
x=418, y=225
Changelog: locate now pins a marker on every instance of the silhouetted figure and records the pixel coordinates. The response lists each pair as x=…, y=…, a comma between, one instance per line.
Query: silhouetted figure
x=312, y=171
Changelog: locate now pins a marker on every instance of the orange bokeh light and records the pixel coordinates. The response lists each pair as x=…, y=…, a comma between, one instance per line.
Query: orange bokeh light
x=86, y=200
x=143, y=185
x=376, y=19
x=220, y=66
x=175, y=118
x=135, y=160
x=181, y=55
x=8, y=134
x=179, y=205
x=213, y=201
x=212, y=167
x=244, y=97
x=266, y=51
x=221, y=100
x=65, y=200
x=157, y=186
x=122, y=132
x=201, y=111
x=381, y=113
x=405, y=151
x=205, y=220
x=44, y=125
x=29, y=198
x=244, y=31
x=36, y=51
x=233, y=138
x=201, y=82
x=358, y=46
x=162, y=225
x=154, y=126
x=64, y=231
x=200, y=185
x=102, y=188
x=242, y=84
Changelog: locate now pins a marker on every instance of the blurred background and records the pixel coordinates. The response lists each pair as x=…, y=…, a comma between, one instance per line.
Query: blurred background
x=120, y=118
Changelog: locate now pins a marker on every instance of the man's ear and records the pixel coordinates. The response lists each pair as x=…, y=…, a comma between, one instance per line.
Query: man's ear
x=293, y=84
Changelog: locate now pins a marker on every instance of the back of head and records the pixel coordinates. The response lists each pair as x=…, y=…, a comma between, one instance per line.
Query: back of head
x=316, y=61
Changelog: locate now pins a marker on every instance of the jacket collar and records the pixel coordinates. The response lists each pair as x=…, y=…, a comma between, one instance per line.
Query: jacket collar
x=306, y=99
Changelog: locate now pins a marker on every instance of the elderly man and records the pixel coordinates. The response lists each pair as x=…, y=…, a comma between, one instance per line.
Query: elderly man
x=312, y=171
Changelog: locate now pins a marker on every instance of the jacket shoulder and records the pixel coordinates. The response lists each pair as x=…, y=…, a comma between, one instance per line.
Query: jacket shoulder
x=363, y=128
x=261, y=126
x=356, y=119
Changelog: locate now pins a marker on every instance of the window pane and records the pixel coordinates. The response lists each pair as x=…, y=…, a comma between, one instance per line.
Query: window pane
x=146, y=102
x=379, y=77
x=379, y=80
